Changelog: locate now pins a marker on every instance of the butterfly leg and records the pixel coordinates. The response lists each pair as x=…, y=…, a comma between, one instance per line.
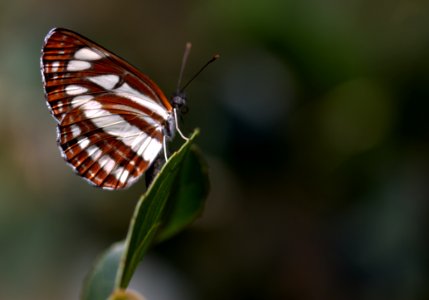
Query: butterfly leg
x=164, y=145
x=176, y=122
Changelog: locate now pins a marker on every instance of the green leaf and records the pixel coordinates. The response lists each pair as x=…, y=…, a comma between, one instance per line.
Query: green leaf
x=149, y=214
x=101, y=281
x=174, y=199
x=186, y=203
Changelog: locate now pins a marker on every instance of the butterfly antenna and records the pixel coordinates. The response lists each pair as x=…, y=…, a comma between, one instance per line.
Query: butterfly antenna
x=184, y=61
x=216, y=56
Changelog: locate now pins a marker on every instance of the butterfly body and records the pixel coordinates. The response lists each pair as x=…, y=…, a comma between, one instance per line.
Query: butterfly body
x=112, y=120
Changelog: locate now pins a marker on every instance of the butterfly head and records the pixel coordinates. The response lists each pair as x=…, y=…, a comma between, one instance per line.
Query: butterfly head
x=179, y=102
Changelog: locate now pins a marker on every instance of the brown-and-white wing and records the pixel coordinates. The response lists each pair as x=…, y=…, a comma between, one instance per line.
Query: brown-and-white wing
x=111, y=117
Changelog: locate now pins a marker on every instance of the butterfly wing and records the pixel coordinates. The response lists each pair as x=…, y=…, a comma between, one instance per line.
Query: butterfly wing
x=111, y=117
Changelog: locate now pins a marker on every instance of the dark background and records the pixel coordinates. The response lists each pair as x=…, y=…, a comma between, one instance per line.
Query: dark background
x=314, y=123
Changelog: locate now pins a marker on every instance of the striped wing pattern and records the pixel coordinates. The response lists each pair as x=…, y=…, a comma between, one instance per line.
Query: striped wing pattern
x=111, y=117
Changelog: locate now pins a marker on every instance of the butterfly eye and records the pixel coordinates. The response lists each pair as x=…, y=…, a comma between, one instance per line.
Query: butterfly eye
x=179, y=101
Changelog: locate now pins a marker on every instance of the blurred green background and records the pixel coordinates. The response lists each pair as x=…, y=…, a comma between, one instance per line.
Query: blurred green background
x=314, y=123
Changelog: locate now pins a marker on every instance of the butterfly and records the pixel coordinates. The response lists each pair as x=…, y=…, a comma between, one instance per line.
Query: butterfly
x=112, y=120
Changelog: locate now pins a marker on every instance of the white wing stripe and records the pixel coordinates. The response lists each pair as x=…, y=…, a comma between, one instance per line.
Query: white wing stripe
x=116, y=126
x=107, y=163
x=93, y=151
x=80, y=100
x=55, y=65
x=152, y=150
x=121, y=174
x=128, y=92
x=149, y=149
x=87, y=54
x=124, y=176
x=75, y=131
x=83, y=143
x=107, y=82
x=75, y=90
x=78, y=65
